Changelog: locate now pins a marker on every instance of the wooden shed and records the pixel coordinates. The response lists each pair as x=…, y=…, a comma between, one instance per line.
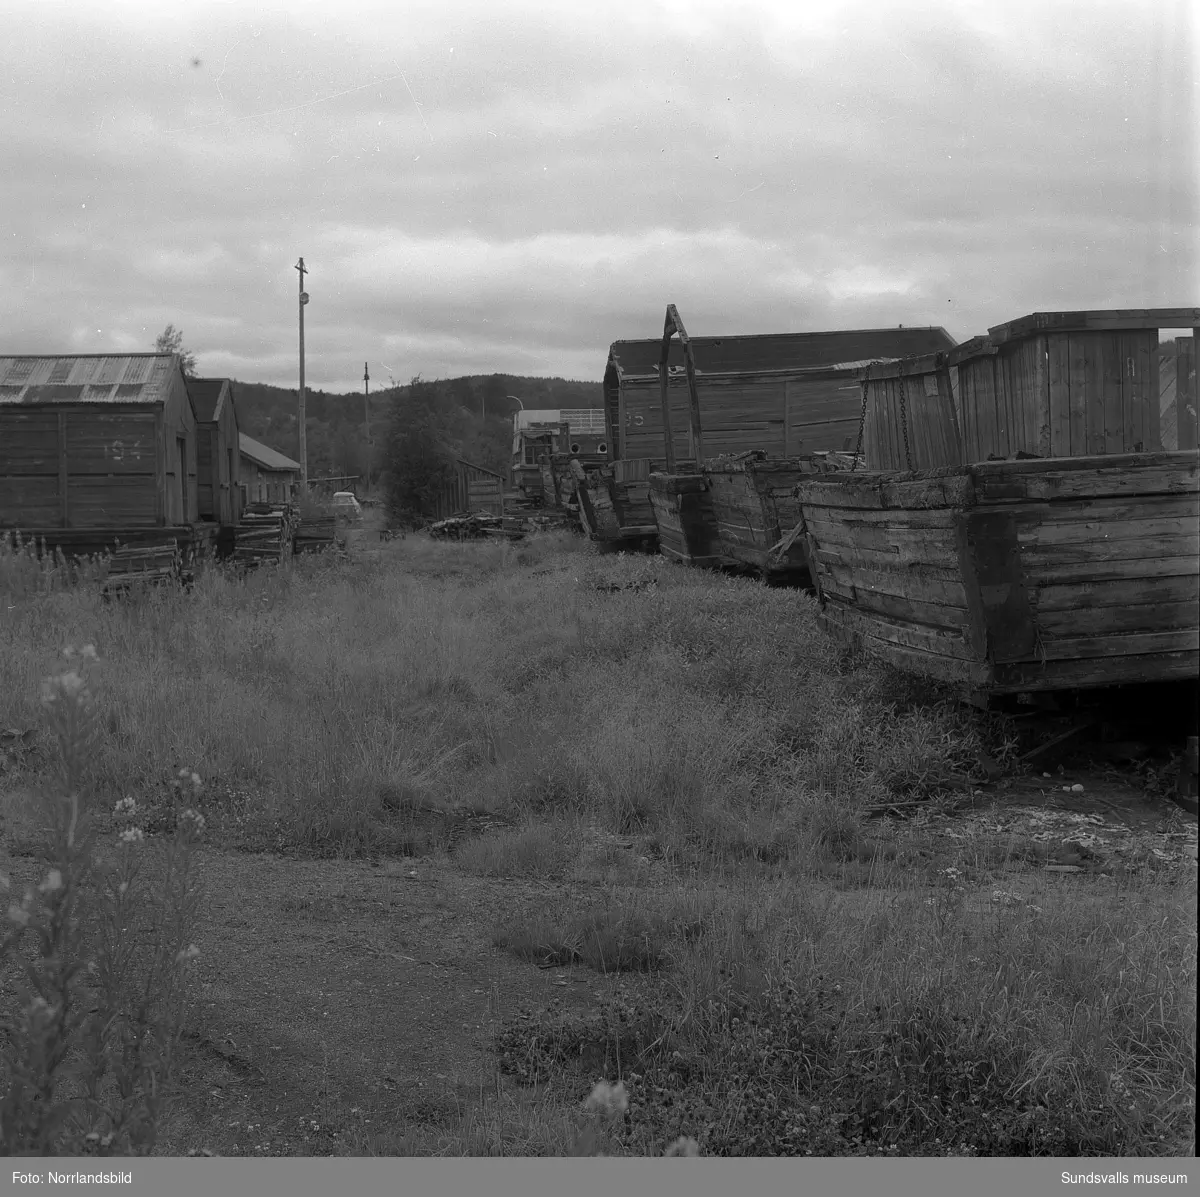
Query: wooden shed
x=96, y=447
x=786, y=394
x=266, y=475
x=1064, y=384
x=471, y=488
x=218, y=455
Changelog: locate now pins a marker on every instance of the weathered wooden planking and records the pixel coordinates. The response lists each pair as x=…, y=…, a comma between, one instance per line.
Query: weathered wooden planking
x=1104, y=320
x=1086, y=672
x=1052, y=584
x=1121, y=643
x=29, y=501
x=944, y=587
x=28, y=442
x=1052, y=481
x=1002, y=623
x=99, y=501
x=1186, y=392
x=900, y=546
x=755, y=506
x=874, y=551
x=1155, y=616
x=935, y=641
x=1072, y=596
x=902, y=609
x=936, y=489
x=1143, y=562
x=687, y=526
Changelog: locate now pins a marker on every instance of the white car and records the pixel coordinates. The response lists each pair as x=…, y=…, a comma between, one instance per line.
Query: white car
x=345, y=503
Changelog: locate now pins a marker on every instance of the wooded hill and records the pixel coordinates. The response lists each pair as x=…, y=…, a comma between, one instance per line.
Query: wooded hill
x=476, y=410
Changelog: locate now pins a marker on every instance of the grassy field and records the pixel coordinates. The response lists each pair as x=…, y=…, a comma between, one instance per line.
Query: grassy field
x=488, y=823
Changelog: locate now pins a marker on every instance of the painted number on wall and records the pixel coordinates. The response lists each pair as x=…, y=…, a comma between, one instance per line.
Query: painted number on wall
x=119, y=450
x=633, y=420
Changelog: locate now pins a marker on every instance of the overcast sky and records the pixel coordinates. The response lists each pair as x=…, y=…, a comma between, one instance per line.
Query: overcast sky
x=511, y=187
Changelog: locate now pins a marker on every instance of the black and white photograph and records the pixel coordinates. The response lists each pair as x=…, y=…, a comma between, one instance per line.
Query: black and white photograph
x=611, y=580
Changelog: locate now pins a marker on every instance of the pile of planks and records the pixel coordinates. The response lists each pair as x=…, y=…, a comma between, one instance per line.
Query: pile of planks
x=136, y=565
x=477, y=526
x=315, y=533
x=265, y=536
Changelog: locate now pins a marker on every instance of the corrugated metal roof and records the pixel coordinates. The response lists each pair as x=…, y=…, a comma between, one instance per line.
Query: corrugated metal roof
x=87, y=378
x=779, y=352
x=208, y=395
x=264, y=455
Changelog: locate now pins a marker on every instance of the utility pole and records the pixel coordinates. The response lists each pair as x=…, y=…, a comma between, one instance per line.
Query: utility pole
x=303, y=427
x=367, y=419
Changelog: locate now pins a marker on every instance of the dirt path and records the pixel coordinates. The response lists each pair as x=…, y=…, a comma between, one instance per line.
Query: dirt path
x=340, y=1000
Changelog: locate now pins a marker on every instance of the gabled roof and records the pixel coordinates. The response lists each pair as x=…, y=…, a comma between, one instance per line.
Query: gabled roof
x=209, y=396
x=88, y=378
x=778, y=353
x=264, y=455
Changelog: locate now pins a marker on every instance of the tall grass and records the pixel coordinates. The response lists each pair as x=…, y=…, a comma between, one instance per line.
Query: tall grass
x=801, y=990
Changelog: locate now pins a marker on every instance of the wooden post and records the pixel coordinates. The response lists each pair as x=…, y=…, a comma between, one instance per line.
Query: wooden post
x=663, y=385
x=64, y=511
x=303, y=428
x=673, y=324
x=367, y=422
x=1186, y=389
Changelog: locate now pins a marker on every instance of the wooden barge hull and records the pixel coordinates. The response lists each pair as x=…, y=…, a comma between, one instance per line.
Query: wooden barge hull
x=1014, y=576
x=754, y=506
x=686, y=522
x=614, y=503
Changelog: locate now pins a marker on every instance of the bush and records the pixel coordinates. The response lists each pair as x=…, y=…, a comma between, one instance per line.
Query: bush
x=99, y=952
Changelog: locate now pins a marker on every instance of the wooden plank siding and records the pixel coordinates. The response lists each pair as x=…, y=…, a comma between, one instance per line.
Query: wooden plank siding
x=1025, y=575
x=910, y=421
x=782, y=417
x=1187, y=393
x=89, y=466
x=1060, y=394
x=471, y=488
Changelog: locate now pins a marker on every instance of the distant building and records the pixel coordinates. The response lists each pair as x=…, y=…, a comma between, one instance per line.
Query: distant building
x=267, y=476
x=542, y=432
x=96, y=443
x=218, y=455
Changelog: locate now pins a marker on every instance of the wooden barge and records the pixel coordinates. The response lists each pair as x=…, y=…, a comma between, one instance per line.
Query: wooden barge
x=787, y=395
x=1076, y=567
x=736, y=508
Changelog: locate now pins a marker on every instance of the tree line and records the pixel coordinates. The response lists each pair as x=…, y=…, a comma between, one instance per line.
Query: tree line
x=418, y=429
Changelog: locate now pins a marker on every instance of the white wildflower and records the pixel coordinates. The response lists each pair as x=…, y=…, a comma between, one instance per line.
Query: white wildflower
x=127, y=806
x=608, y=1099
x=53, y=882
x=195, y=818
x=88, y=652
x=131, y=835
x=188, y=954
x=18, y=914
x=64, y=685
x=683, y=1146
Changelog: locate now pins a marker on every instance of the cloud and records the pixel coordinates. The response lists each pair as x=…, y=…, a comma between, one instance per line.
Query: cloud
x=511, y=188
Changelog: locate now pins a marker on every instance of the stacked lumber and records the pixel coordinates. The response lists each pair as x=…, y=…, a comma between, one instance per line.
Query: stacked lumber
x=265, y=535
x=143, y=565
x=477, y=526
x=315, y=533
